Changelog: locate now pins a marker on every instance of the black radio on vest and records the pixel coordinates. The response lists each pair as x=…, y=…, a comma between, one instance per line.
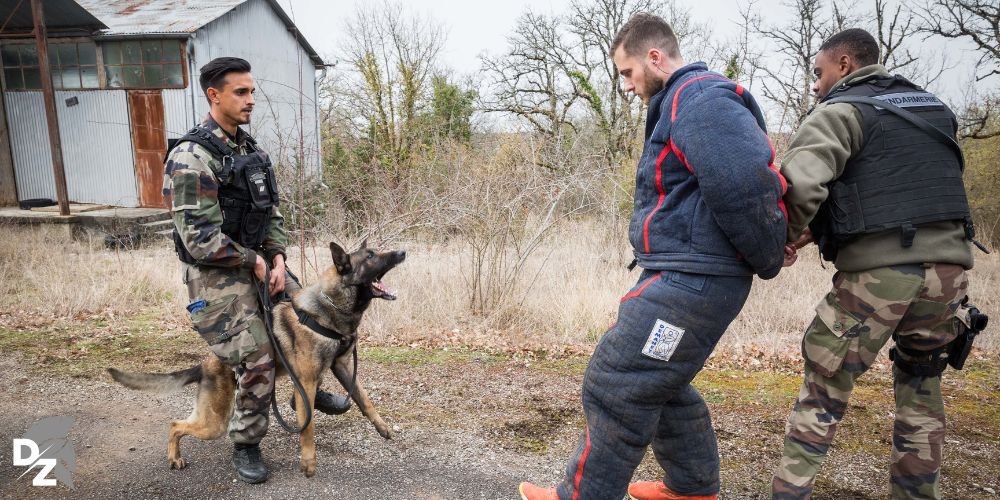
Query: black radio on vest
x=907, y=173
x=248, y=191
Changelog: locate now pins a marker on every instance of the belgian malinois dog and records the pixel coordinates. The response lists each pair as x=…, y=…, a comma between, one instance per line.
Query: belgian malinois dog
x=337, y=302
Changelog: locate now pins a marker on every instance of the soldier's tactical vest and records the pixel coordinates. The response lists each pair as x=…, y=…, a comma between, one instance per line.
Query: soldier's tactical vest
x=248, y=191
x=906, y=173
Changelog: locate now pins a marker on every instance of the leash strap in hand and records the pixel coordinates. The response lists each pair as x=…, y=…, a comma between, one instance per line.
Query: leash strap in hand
x=264, y=299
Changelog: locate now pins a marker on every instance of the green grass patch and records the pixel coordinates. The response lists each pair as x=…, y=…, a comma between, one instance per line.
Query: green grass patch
x=418, y=357
x=741, y=387
x=85, y=348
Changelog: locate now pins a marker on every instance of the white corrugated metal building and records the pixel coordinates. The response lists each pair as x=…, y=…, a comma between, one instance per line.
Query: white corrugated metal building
x=125, y=88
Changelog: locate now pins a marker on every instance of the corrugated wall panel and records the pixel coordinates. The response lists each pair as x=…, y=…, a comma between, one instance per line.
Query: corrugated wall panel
x=177, y=115
x=29, y=144
x=97, y=147
x=277, y=61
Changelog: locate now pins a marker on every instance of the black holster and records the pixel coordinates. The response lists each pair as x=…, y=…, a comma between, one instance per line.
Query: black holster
x=959, y=349
x=970, y=323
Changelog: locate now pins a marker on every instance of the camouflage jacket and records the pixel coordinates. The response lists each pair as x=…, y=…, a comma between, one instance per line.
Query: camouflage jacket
x=191, y=188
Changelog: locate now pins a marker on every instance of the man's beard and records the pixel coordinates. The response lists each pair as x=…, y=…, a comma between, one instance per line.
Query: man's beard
x=656, y=83
x=653, y=84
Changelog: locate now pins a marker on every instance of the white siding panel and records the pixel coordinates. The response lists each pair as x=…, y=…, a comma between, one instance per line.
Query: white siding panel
x=177, y=118
x=97, y=147
x=29, y=144
x=254, y=32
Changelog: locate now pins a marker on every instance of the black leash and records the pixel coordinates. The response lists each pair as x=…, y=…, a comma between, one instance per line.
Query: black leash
x=264, y=298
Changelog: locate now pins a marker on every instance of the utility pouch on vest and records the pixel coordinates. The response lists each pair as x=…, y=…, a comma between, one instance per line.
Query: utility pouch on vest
x=845, y=214
x=823, y=235
x=260, y=185
x=254, y=227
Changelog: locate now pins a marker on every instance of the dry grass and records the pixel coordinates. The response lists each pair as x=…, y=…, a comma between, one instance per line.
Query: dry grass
x=44, y=274
x=567, y=296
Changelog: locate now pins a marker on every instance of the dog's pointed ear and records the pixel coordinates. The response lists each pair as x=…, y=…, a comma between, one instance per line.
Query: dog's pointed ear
x=340, y=259
x=364, y=243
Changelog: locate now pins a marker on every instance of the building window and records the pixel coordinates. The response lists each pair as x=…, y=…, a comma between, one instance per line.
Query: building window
x=20, y=67
x=143, y=64
x=74, y=65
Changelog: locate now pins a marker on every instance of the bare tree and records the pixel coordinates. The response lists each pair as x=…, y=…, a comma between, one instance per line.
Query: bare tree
x=976, y=22
x=529, y=80
x=559, y=70
x=393, y=56
x=897, y=29
x=788, y=82
x=742, y=59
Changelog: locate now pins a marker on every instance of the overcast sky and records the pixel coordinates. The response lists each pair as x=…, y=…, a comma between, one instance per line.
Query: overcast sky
x=476, y=26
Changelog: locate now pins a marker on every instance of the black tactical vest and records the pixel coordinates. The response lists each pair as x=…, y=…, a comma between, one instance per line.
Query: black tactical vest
x=906, y=173
x=248, y=191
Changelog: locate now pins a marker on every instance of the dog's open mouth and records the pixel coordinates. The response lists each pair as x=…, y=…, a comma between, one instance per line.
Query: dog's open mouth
x=380, y=291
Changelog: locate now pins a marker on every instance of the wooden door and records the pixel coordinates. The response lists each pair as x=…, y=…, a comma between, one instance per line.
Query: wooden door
x=149, y=140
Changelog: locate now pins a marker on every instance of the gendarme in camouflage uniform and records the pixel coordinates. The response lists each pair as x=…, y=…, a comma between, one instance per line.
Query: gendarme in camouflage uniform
x=904, y=281
x=230, y=320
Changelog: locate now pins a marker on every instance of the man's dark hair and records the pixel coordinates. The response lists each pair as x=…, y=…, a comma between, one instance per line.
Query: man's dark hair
x=855, y=42
x=214, y=73
x=644, y=31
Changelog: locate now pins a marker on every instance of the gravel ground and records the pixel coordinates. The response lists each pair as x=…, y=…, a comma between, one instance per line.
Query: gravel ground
x=120, y=441
x=468, y=428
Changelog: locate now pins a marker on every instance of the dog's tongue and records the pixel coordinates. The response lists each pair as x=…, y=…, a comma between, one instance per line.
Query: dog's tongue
x=382, y=291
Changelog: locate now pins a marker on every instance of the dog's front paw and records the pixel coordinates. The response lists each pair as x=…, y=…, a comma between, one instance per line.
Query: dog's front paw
x=308, y=467
x=177, y=463
x=384, y=430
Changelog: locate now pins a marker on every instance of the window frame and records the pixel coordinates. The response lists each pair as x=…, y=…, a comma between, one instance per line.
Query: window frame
x=182, y=61
x=97, y=62
x=19, y=66
x=102, y=77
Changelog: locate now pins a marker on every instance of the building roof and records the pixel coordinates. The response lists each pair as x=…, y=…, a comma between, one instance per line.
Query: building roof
x=60, y=15
x=176, y=17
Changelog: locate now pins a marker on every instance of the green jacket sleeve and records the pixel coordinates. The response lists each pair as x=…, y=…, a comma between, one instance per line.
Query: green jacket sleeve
x=192, y=191
x=830, y=135
x=276, y=238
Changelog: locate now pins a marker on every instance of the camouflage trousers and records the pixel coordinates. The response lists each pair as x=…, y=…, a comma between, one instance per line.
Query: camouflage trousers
x=232, y=324
x=854, y=321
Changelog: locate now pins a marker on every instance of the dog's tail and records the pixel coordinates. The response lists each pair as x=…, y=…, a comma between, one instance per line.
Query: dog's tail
x=158, y=382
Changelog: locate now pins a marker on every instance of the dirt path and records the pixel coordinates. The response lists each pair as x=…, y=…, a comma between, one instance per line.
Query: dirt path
x=470, y=426
x=119, y=438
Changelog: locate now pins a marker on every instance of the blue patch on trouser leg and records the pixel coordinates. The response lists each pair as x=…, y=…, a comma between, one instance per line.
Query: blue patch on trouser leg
x=626, y=393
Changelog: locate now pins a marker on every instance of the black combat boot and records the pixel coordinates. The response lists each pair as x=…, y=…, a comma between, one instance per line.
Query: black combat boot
x=331, y=404
x=249, y=466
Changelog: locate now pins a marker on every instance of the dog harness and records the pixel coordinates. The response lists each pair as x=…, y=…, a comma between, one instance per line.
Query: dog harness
x=346, y=341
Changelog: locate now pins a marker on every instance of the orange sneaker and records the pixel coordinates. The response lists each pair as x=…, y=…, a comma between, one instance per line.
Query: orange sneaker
x=529, y=491
x=656, y=490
